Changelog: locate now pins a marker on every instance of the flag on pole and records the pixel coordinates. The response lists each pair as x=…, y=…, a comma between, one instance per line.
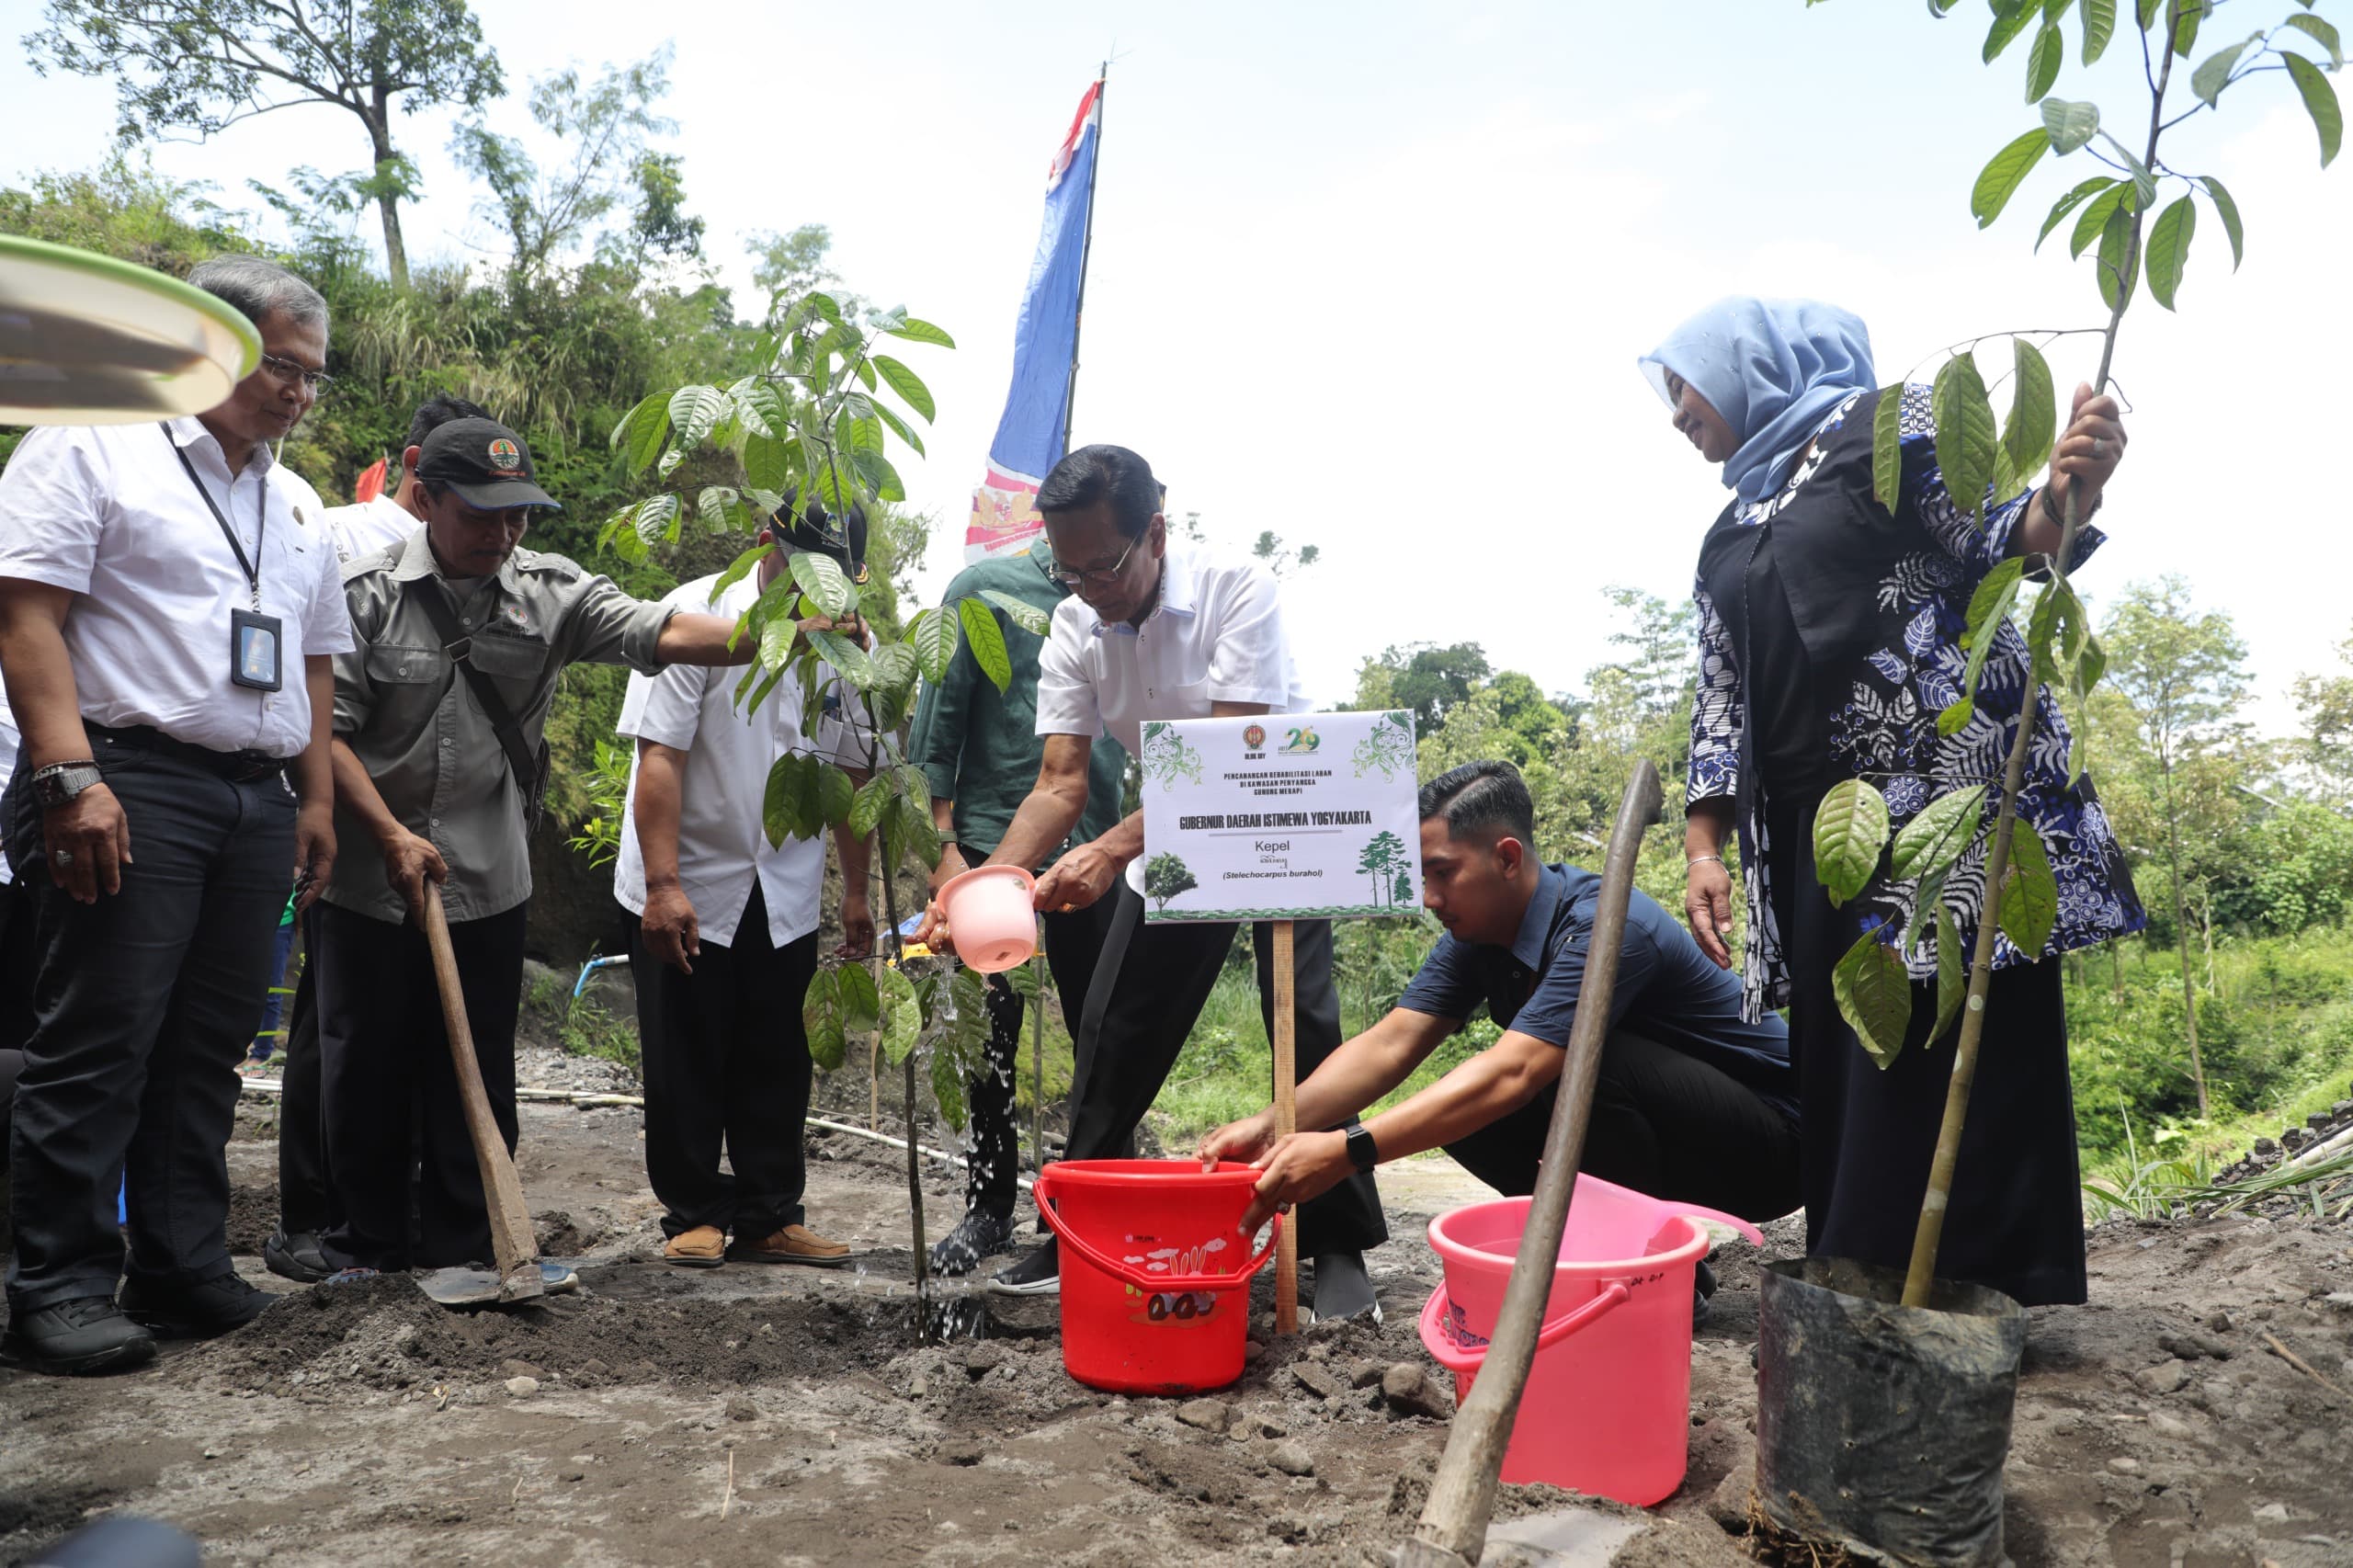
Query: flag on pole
x=1032, y=432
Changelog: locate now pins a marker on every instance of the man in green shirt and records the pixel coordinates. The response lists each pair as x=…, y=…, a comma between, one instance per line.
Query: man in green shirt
x=980, y=751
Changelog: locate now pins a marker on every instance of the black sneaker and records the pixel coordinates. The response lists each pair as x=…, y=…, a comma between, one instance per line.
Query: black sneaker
x=1703, y=1285
x=1344, y=1287
x=981, y=1233
x=201, y=1311
x=1039, y=1274
x=296, y=1256
x=89, y=1333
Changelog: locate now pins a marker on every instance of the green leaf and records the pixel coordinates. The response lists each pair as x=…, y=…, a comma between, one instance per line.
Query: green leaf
x=2069, y=124
x=986, y=641
x=900, y=429
x=2312, y=26
x=694, y=410
x=2099, y=25
x=2003, y=173
x=1849, y=830
x=2187, y=15
x=819, y=303
x=1988, y=608
x=2057, y=631
x=2213, y=73
x=968, y=1033
x=1887, y=447
x=2042, y=62
x=2145, y=184
x=2228, y=210
x=737, y=570
x=1932, y=841
x=1966, y=433
x=849, y=660
x=2094, y=216
x=788, y=809
x=902, y=1016
x=2029, y=892
x=769, y=463
x=894, y=666
x=1024, y=978
x=1924, y=912
x=916, y=330
x=2008, y=24
x=1021, y=612
x=1874, y=997
x=2169, y=248
x=834, y=793
x=934, y=637
x=656, y=519
x=2146, y=12
x=948, y=1089
x=911, y=828
x=861, y=1002
x=907, y=384
x=642, y=431
x=2320, y=102
x=2119, y=259
x=875, y=468
x=1953, y=717
x=720, y=505
x=867, y=807
x=821, y=1016
x=2033, y=422
x=1952, y=971
x=824, y=582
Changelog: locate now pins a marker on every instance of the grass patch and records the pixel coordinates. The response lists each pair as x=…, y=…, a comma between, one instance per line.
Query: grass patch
x=581, y=1027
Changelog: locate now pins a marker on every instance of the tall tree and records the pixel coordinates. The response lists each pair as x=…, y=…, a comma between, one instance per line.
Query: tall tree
x=1430, y=680
x=2185, y=676
x=2325, y=702
x=604, y=127
x=203, y=65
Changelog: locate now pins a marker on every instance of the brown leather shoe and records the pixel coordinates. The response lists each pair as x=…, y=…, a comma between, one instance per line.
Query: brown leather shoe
x=704, y=1246
x=794, y=1244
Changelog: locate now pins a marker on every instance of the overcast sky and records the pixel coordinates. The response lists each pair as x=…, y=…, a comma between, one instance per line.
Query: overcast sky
x=1375, y=276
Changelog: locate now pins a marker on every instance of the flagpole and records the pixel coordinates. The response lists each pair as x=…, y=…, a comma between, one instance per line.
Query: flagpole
x=1085, y=250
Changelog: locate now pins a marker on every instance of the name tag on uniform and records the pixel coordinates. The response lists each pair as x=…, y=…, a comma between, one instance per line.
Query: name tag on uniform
x=253, y=654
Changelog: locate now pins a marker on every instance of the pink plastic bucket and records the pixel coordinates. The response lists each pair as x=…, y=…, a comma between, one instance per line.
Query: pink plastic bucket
x=989, y=916
x=1608, y=1406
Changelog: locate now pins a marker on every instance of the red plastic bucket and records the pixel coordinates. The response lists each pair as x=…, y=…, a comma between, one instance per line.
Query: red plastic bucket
x=1608, y=1406
x=1156, y=1281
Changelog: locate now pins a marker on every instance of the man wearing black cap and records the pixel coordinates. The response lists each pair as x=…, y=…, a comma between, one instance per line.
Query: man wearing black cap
x=726, y=937
x=439, y=762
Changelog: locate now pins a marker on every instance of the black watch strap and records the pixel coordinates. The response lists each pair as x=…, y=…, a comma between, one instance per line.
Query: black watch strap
x=1362, y=1152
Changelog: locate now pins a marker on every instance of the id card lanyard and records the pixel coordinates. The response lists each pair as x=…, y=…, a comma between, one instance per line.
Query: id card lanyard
x=255, y=658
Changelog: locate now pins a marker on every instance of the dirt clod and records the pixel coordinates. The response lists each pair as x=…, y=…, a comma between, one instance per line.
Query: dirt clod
x=1410, y=1391
x=1209, y=1415
x=1292, y=1459
x=522, y=1388
x=1318, y=1379
x=2166, y=1376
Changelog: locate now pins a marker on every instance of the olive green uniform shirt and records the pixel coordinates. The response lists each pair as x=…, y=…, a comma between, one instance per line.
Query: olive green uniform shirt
x=977, y=747
x=407, y=710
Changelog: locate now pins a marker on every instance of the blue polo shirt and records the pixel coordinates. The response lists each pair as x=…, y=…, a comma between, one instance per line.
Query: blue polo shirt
x=1666, y=992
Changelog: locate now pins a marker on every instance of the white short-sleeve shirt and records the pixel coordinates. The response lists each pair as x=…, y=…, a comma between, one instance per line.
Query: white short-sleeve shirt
x=9, y=741
x=722, y=838
x=367, y=526
x=110, y=514
x=1215, y=636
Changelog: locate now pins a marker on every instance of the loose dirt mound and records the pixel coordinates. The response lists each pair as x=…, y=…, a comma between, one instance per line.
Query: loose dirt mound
x=386, y=1334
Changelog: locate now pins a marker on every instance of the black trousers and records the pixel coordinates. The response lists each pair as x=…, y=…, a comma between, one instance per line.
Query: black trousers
x=726, y=1060
x=1150, y=986
x=1664, y=1123
x=305, y=1196
x=385, y=1068
x=143, y=1003
x=20, y=965
x=2016, y=1219
x=1074, y=946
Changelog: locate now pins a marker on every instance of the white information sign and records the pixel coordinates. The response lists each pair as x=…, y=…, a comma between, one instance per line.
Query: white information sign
x=1280, y=817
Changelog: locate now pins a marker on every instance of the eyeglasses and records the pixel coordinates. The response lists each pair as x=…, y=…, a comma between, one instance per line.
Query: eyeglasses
x=1101, y=577
x=287, y=372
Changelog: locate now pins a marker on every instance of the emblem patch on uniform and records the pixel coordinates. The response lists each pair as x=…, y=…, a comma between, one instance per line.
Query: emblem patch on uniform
x=505, y=454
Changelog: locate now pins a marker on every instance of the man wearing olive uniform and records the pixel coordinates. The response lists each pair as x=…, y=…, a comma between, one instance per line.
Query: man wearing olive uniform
x=458, y=636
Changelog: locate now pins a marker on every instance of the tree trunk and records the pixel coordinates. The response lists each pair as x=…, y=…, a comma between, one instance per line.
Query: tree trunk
x=2205, y=927
x=388, y=202
x=2181, y=938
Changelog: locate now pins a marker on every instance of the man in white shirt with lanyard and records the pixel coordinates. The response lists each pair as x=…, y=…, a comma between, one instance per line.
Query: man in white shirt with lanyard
x=166, y=627
x=726, y=942
x=1156, y=629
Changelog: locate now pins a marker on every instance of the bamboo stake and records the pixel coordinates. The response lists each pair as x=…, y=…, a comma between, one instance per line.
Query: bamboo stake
x=1453, y=1527
x=1286, y=1122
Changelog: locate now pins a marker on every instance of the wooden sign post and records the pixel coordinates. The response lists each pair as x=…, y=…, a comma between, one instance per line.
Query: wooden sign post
x=1277, y=818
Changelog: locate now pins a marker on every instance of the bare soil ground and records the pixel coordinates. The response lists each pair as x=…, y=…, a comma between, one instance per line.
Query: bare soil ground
x=761, y=1416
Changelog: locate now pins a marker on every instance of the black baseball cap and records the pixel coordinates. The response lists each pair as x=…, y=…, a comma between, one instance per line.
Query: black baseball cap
x=484, y=462
x=816, y=529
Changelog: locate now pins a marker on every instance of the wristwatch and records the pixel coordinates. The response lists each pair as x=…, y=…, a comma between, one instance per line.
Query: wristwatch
x=1362, y=1153
x=59, y=782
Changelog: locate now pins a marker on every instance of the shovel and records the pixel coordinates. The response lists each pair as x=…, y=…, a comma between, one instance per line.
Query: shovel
x=521, y=1278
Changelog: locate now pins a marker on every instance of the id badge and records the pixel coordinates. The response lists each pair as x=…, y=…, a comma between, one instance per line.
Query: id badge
x=254, y=656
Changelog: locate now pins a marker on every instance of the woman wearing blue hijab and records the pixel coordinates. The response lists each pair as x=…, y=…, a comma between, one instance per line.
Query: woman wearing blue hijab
x=1829, y=640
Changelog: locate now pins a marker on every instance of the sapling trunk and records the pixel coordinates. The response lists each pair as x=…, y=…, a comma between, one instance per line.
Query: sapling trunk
x=914, y=1160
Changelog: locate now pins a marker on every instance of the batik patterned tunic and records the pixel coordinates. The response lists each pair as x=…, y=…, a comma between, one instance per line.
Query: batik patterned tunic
x=1886, y=658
